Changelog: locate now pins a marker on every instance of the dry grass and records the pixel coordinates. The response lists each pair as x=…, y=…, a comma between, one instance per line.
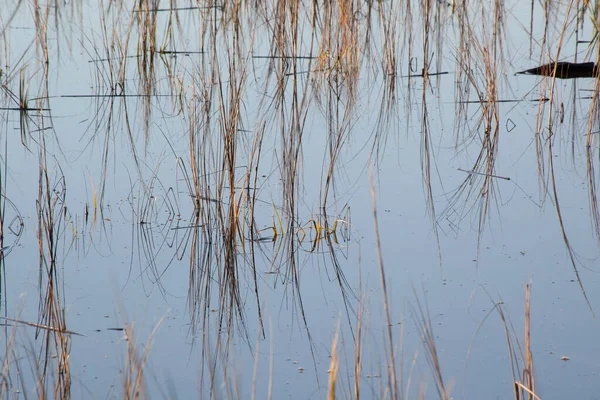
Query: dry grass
x=318, y=57
x=51, y=223
x=134, y=385
x=523, y=378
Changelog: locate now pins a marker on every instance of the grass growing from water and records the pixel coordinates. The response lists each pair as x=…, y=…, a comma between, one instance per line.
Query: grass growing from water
x=241, y=86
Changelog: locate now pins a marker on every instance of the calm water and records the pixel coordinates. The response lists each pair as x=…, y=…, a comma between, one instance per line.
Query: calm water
x=133, y=247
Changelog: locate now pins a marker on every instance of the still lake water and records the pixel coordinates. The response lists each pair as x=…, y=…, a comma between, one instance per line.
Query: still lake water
x=119, y=162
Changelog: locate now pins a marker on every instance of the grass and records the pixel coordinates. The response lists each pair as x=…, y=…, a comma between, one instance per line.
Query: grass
x=236, y=90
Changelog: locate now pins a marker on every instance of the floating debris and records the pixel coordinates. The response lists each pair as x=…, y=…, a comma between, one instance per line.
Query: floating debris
x=565, y=70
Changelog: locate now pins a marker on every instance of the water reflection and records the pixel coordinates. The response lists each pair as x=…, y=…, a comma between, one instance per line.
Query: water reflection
x=217, y=161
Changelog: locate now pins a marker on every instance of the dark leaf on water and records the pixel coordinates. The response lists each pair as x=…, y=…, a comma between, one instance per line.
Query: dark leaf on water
x=565, y=70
